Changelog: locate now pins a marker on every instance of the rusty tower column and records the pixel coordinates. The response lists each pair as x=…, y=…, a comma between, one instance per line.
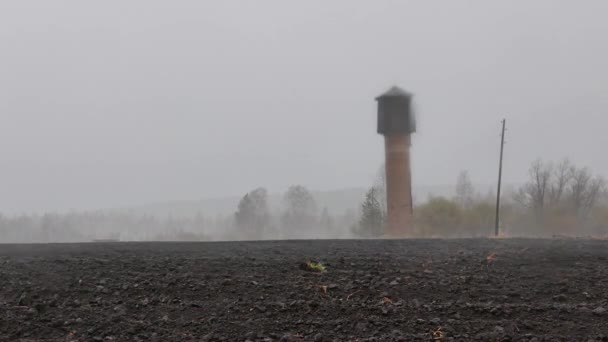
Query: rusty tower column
x=396, y=122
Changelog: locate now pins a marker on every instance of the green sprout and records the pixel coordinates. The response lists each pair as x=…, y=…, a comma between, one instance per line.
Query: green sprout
x=315, y=266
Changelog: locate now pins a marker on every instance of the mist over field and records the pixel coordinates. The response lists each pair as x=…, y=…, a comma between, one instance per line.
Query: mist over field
x=304, y=171
x=152, y=120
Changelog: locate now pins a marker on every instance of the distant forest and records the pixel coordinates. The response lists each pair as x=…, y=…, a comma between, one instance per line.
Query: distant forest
x=558, y=199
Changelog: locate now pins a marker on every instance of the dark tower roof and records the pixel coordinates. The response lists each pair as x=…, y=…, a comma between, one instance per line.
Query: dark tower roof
x=395, y=115
x=394, y=92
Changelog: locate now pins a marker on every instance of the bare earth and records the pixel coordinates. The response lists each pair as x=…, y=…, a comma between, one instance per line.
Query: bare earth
x=372, y=290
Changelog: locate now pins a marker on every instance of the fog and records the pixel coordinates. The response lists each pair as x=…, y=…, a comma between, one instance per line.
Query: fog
x=117, y=104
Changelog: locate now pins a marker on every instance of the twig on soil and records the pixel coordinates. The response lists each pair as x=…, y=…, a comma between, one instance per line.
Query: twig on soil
x=437, y=335
x=19, y=307
x=70, y=336
x=352, y=294
x=322, y=288
x=490, y=259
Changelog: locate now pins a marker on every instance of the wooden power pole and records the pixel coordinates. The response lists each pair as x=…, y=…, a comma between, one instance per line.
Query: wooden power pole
x=502, y=146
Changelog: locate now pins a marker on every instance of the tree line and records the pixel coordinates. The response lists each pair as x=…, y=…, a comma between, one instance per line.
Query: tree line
x=299, y=218
x=557, y=199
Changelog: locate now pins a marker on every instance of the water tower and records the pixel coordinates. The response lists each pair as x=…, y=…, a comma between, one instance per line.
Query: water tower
x=396, y=122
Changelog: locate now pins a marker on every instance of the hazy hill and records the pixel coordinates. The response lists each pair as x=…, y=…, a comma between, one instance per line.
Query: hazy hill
x=336, y=201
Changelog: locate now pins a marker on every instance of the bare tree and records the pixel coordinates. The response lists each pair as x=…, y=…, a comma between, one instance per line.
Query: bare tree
x=252, y=216
x=464, y=190
x=327, y=223
x=300, y=216
x=565, y=194
x=584, y=191
x=380, y=188
x=562, y=175
x=597, y=190
x=579, y=187
x=534, y=192
x=372, y=219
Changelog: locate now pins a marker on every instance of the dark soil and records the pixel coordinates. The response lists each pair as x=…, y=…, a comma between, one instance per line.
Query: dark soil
x=373, y=290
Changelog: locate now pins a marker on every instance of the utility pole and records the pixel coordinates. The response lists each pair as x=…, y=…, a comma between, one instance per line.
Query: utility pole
x=502, y=146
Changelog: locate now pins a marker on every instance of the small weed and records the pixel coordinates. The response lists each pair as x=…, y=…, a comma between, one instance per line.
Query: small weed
x=314, y=266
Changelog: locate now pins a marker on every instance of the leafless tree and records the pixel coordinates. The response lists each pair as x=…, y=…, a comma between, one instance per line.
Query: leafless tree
x=300, y=216
x=570, y=193
x=252, y=216
x=372, y=218
x=562, y=175
x=327, y=222
x=464, y=190
x=380, y=186
x=585, y=191
x=534, y=192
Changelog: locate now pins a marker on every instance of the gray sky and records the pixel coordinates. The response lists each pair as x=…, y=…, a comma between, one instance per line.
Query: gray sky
x=110, y=103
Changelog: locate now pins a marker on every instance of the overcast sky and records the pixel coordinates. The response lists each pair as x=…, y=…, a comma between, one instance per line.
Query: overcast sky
x=111, y=103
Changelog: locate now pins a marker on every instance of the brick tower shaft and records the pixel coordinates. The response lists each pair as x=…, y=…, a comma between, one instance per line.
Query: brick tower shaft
x=398, y=185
